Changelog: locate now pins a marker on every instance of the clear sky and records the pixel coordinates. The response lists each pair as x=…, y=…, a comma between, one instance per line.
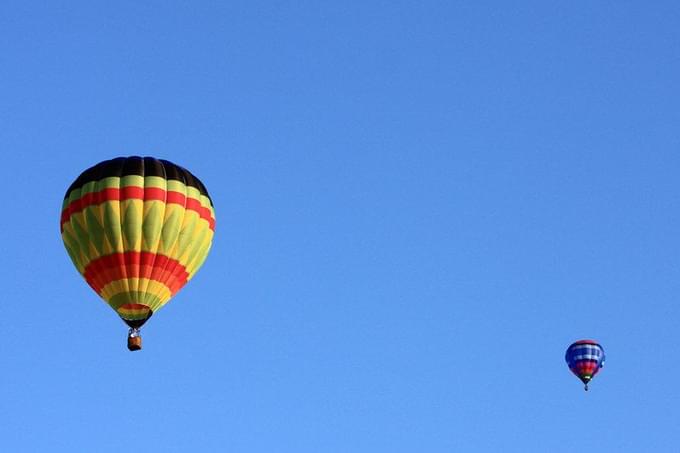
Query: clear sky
x=419, y=205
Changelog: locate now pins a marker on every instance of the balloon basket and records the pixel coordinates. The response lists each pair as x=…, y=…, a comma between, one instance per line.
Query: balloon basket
x=134, y=341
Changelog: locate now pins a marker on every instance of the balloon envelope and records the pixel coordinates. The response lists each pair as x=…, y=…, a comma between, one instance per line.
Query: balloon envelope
x=585, y=358
x=137, y=229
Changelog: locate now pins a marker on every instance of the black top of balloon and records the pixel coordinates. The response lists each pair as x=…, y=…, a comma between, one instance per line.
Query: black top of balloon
x=142, y=166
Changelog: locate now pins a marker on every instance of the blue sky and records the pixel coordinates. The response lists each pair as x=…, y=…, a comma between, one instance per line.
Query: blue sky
x=419, y=205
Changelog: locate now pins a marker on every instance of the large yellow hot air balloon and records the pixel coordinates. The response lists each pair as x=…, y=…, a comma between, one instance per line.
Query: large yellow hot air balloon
x=137, y=229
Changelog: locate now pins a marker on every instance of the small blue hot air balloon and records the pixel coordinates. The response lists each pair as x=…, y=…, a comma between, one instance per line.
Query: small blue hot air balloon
x=585, y=358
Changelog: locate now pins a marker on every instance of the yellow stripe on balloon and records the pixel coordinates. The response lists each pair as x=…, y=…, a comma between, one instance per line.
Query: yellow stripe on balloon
x=119, y=286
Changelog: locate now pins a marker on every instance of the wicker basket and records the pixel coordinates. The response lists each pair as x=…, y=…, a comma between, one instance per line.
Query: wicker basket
x=134, y=343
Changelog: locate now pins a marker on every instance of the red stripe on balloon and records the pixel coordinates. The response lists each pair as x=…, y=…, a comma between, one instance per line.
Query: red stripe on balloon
x=121, y=266
x=134, y=307
x=136, y=193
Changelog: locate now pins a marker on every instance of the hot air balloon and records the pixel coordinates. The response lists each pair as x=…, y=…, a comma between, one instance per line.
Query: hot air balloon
x=137, y=229
x=585, y=358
